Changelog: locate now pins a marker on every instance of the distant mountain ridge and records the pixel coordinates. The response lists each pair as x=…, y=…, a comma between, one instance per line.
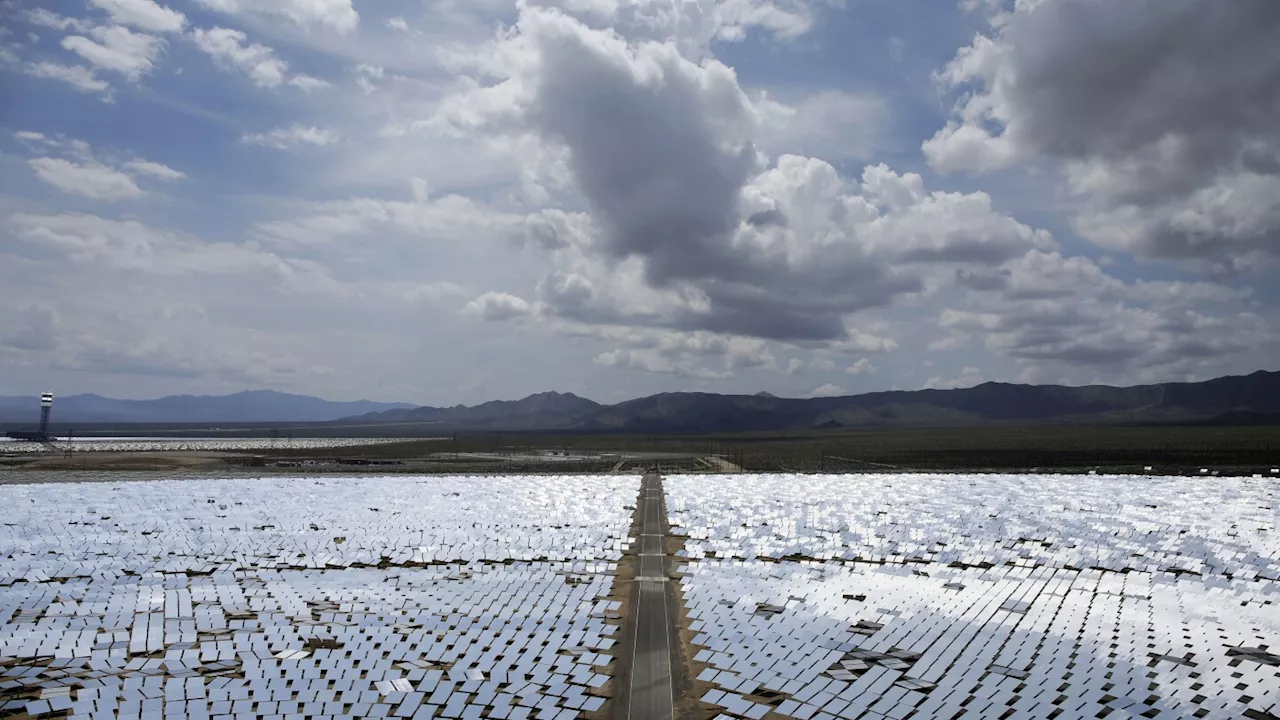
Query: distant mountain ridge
x=543, y=411
x=249, y=407
x=1228, y=401
x=1224, y=401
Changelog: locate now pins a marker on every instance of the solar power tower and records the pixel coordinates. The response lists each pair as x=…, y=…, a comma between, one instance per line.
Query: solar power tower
x=41, y=435
x=46, y=407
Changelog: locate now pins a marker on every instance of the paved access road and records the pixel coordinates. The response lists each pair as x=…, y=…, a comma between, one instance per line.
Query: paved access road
x=650, y=695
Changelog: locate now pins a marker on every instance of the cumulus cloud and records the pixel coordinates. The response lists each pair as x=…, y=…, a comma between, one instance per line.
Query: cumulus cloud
x=1160, y=114
x=809, y=249
x=1067, y=312
x=366, y=74
x=80, y=173
x=143, y=14
x=307, y=83
x=672, y=198
x=862, y=366
x=669, y=218
x=124, y=245
x=701, y=355
x=232, y=49
x=831, y=124
x=786, y=19
x=691, y=228
x=77, y=76
x=154, y=169
x=47, y=18
x=337, y=15
x=117, y=48
x=827, y=390
x=90, y=180
x=861, y=342
x=496, y=306
x=692, y=26
x=292, y=136
x=652, y=361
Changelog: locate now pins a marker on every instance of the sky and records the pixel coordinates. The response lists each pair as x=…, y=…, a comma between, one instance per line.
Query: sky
x=463, y=200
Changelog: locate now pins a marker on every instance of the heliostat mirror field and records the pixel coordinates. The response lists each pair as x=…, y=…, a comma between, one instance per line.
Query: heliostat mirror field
x=990, y=596
x=302, y=597
x=802, y=596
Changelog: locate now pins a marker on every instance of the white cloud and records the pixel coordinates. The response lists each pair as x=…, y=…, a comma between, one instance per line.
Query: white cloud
x=827, y=390
x=306, y=83
x=722, y=242
x=495, y=306
x=1059, y=312
x=743, y=353
x=653, y=361
x=730, y=232
x=29, y=135
x=787, y=19
x=231, y=48
x=1231, y=223
x=693, y=25
x=89, y=180
x=831, y=124
x=293, y=136
x=366, y=74
x=132, y=299
x=116, y=48
x=861, y=342
x=951, y=342
x=862, y=366
x=154, y=169
x=132, y=246
x=49, y=19
x=144, y=14
x=82, y=174
x=338, y=15
x=685, y=354
x=76, y=76
x=453, y=217
x=1160, y=116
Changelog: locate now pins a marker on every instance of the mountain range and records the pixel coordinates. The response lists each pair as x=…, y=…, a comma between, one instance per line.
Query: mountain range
x=1252, y=399
x=1238, y=400
x=255, y=406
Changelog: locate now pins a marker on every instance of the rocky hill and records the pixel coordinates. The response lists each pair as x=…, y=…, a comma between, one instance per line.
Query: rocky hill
x=1227, y=400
